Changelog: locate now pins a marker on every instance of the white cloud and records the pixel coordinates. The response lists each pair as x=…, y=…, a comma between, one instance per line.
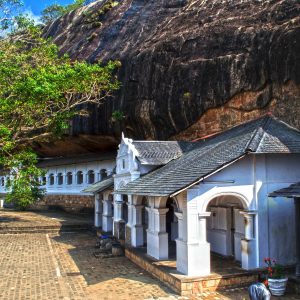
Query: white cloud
x=31, y=15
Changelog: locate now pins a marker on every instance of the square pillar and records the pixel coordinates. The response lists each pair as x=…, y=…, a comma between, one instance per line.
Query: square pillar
x=137, y=238
x=248, y=244
x=129, y=225
x=193, y=250
x=107, y=222
x=157, y=237
x=98, y=211
x=118, y=222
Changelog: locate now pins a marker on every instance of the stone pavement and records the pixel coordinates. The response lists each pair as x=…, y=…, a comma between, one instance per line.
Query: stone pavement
x=22, y=221
x=50, y=266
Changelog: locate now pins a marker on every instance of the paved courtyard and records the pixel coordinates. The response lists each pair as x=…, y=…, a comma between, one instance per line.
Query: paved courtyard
x=63, y=266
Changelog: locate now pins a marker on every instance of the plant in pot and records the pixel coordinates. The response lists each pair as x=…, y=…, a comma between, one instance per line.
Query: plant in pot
x=277, y=279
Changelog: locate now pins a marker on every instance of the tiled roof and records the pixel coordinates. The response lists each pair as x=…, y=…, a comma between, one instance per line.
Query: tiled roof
x=83, y=158
x=292, y=191
x=263, y=135
x=100, y=186
x=160, y=152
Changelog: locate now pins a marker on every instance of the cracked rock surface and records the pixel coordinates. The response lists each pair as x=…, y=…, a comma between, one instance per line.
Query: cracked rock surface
x=189, y=67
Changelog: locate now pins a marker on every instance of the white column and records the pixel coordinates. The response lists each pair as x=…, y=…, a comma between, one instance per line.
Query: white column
x=109, y=172
x=137, y=238
x=118, y=211
x=193, y=250
x=85, y=177
x=119, y=227
x=248, y=244
x=107, y=223
x=118, y=208
x=157, y=237
x=98, y=211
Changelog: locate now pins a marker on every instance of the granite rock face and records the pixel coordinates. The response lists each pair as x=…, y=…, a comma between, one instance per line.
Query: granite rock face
x=189, y=67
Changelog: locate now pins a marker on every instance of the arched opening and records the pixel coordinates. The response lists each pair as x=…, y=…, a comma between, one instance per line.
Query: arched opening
x=69, y=178
x=225, y=227
x=145, y=219
x=103, y=174
x=51, y=179
x=125, y=208
x=172, y=226
x=90, y=177
x=79, y=176
x=60, y=179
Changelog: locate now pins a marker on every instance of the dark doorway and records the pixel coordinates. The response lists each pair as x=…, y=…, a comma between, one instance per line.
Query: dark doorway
x=145, y=219
x=125, y=208
x=172, y=226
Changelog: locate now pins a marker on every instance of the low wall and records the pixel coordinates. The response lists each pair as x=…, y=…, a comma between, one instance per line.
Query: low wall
x=191, y=286
x=68, y=203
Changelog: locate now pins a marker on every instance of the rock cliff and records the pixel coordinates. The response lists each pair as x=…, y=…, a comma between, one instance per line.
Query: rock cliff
x=189, y=67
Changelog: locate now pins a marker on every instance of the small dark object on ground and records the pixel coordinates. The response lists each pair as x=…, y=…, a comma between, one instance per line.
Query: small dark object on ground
x=117, y=250
x=258, y=291
x=108, y=247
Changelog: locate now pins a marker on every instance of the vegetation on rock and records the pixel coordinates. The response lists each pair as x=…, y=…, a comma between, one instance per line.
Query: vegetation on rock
x=54, y=11
x=40, y=92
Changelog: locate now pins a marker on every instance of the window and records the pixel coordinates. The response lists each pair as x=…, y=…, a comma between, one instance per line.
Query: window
x=69, y=178
x=90, y=177
x=44, y=180
x=60, y=179
x=51, y=179
x=103, y=174
x=79, y=176
x=123, y=164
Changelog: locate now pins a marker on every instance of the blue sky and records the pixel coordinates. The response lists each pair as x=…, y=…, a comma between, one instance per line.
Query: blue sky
x=36, y=6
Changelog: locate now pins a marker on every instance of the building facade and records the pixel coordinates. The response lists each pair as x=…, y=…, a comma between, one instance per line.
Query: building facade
x=214, y=198
x=65, y=179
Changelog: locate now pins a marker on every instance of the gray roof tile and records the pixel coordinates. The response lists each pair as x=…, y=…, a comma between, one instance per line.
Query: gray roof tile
x=100, y=186
x=292, y=191
x=264, y=135
x=160, y=152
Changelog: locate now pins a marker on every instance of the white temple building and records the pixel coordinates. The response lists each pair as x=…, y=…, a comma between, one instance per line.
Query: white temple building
x=187, y=200
x=65, y=179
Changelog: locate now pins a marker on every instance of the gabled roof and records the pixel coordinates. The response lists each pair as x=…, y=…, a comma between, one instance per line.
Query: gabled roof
x=263, y=135
x=160, y=152
x=293, y=191
x=100, y=186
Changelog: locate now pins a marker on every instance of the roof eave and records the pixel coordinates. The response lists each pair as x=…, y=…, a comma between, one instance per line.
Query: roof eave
x=209, y=174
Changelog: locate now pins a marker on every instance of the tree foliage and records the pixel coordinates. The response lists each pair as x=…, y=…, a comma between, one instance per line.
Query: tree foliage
x=9, y=9
x=54, y=11
x=40, y=92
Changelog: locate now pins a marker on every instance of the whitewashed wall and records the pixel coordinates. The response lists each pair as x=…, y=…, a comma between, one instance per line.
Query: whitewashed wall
x=251, y=180
x=74, y=188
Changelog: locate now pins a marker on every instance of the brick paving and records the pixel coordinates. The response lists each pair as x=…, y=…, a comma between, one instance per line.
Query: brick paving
x=20, y=220
x=63, y=266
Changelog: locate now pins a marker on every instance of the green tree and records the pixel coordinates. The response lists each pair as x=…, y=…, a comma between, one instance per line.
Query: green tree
x=40, y=92
x=54, y=11
x=8, y=10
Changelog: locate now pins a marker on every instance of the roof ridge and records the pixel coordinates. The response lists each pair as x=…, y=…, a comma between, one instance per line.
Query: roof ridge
x=256, y=138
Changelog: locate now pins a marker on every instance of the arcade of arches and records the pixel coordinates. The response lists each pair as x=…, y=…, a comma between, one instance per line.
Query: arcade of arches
x=161, y=224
